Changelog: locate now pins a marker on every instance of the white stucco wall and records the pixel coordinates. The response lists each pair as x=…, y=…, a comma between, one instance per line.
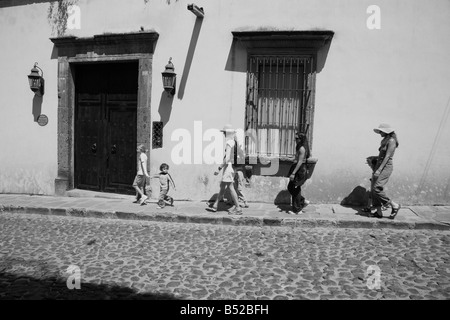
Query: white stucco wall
x=399, y=74
x=27, y=150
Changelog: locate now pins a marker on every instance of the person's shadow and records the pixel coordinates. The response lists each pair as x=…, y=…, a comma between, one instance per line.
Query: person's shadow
x=283, y=201
x=223, y=204
x=358, y=200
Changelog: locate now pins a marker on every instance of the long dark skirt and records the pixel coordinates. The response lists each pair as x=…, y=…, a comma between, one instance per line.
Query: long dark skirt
x=379, y=197
x=295, y=187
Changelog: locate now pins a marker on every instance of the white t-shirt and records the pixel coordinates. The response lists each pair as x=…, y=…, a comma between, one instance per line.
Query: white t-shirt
x=230, y=142
x=142, y=159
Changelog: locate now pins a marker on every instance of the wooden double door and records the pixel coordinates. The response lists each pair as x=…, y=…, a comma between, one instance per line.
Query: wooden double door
x=105, y=127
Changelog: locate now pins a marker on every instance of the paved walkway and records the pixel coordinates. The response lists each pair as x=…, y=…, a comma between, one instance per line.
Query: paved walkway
x=111, y=206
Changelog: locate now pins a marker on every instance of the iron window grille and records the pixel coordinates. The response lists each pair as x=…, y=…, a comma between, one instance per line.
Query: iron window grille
x=280, y=102
x=157, y=134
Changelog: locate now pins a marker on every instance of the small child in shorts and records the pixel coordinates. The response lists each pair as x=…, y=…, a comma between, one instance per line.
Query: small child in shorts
x=165, y=179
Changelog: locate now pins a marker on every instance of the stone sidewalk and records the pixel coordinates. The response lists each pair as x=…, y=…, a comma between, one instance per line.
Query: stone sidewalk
x=111, y=206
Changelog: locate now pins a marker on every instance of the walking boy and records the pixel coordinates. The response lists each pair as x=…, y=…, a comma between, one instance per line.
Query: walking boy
x=165, y=179
x=141, y=175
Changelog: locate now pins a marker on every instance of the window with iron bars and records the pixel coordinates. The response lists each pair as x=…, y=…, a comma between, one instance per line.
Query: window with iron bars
x=280, y=98
x=157, y=134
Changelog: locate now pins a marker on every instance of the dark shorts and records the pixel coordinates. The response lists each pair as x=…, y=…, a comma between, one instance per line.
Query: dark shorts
x=164, y=197
x=139, y=181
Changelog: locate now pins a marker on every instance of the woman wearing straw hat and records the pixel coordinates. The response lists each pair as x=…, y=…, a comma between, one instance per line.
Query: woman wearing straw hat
x=383, y=170
x=228, y=173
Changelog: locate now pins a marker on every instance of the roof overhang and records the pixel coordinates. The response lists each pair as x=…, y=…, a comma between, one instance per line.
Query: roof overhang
x=284, y=39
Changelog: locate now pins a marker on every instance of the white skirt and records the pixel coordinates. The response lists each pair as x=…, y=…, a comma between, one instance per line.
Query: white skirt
x=228, y=173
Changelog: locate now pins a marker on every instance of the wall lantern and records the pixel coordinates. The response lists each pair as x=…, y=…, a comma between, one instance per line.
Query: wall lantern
x=169, y=78
x=36, y=80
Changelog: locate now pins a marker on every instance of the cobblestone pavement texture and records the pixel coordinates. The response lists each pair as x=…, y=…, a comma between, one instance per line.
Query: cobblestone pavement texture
x=124, y=259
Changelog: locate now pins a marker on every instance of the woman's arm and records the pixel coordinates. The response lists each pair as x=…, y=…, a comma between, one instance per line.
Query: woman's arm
x=389, y=152
x=300, y=159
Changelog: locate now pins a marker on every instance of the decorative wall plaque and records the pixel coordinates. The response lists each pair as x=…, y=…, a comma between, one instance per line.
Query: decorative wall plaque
x=42, y=120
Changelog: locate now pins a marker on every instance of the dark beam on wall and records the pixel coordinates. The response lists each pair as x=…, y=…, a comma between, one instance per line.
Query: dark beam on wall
x=15, y=3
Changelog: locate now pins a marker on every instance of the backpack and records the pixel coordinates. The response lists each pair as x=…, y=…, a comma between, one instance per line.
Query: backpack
x=238, y=150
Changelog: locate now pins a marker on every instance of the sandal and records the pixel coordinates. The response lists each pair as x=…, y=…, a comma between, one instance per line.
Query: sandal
x=211, y=208
x=395, y=211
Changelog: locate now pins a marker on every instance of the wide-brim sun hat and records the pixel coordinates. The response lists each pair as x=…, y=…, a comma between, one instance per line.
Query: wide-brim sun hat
x=228, y=128
x=384, y=127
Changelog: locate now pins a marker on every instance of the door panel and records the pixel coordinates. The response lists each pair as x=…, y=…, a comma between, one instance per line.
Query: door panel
x=88, y=142
x=106, y=126
x=121, y=166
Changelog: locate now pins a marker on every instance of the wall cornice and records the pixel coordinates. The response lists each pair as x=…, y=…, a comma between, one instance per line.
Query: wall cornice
x=107, y=44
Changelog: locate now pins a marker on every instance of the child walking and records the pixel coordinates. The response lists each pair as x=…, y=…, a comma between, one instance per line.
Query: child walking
x=165, y=179
x=141, y=175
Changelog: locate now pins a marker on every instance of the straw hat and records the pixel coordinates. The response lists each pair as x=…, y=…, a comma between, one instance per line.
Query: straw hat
x=384, y=127
x=228, y=128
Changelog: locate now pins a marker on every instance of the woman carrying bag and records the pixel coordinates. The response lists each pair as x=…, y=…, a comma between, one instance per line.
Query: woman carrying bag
x=383, y=170
x=298, y=174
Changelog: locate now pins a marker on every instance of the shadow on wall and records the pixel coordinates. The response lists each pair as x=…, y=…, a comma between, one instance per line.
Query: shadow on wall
x=283, y=197
x=213, y=197
x=238, y=54
x=37, y=107
x=189, y=57
x=165, y=107
x=283, y=201
x=237, y=57
x=359, y=197
x=15, y=3
x=322, y=55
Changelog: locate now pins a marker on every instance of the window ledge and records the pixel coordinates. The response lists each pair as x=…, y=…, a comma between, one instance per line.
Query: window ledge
x=266, y=159
x=284, y=39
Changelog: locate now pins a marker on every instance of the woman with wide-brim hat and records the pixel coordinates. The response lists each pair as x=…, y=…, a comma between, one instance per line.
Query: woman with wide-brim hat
x=383, y=170
x=228, y=173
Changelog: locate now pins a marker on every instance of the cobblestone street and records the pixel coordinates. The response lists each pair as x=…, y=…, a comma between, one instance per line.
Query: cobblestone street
x=121, y=259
